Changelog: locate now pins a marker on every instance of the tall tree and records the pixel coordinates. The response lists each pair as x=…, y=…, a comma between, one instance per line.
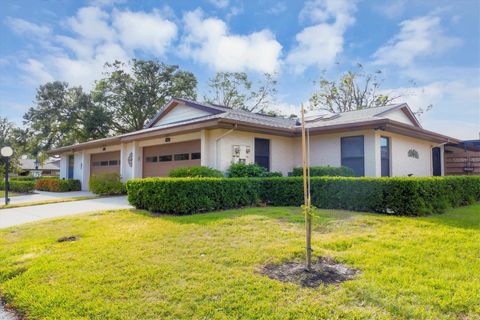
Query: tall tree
x=235, y=90
x=133, y=93
x=63, y=116
x=355, y=90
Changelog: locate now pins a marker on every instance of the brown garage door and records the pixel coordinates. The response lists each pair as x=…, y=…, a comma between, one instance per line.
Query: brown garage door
x=159, y=160
x=107, y=162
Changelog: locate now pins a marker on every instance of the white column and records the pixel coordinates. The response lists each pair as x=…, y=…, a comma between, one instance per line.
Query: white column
x=137, y=160
x=372, y=154
x=203, y=148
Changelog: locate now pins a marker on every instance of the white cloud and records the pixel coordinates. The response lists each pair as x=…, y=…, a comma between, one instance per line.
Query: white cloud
x=220, y=3
x=21, y=26
x=456, y=102
x=209, y=41
x=36, y=72
x=277, y=8
x=418, y=37
x=319, y=44
x=93, y=37
x=392, y=9
x=92, y=24
x=144, y=31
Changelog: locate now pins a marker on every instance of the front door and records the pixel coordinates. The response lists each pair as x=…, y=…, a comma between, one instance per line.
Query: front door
x=71, y=163
x=437, y=161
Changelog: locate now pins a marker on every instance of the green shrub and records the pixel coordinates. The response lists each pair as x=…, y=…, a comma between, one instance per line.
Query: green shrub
x=18, y=186
x=57, y=185
x=107, y=184
x=398, y=196
x=241, y=170
x=195, y=172
x=326, y=171
x=23, y=178
x=192, y=195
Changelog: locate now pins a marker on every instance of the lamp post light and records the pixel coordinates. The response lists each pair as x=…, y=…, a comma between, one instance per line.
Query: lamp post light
x=6, y=152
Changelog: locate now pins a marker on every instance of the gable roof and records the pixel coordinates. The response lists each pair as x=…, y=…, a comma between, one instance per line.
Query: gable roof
x=223, y=117
x=29, y=164
x=367, y=114
x=221, y=112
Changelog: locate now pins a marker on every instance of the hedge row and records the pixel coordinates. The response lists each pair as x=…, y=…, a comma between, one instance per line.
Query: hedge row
x=192, y=195
x=18, y=186
x=323, y=171
x=398, y=196
x=58, y=185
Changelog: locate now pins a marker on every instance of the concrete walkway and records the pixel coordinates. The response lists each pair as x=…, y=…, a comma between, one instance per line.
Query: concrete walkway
x=43, y=195
x=16, y=216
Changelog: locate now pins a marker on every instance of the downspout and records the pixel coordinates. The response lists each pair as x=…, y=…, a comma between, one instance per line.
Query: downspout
x=217, y=165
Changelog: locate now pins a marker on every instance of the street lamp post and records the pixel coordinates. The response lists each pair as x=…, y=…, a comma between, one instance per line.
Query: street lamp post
x=6, y=152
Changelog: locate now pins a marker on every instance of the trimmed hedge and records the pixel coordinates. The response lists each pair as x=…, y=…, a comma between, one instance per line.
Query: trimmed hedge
x=58, y=185
x=192, y=195
x=241, y=170
x=107, y=184
x=398, y=196
x=18, y=186
x=195, y=172
x=325, y=171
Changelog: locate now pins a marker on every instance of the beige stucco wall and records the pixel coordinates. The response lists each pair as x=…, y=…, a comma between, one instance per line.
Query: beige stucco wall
x=403, y=165
x=325, y=150
x=219, y=153
x=285, y=152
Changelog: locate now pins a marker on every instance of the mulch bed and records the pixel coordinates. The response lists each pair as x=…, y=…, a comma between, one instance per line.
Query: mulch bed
x=324, y=271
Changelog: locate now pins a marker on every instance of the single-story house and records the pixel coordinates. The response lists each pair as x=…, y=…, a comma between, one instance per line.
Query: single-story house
x=462, y=158
x=48, y=168
x=383, y=141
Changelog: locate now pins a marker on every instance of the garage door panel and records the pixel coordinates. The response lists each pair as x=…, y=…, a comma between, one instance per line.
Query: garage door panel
x=107, y=162
x=159, y=160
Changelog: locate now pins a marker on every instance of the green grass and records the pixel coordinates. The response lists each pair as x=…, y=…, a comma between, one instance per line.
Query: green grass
x=130, y=265
x=10, y=194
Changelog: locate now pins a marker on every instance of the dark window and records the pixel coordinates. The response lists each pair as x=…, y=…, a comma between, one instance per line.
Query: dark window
x=151, y=159
x=262, y=153
x=71, y=162
x=196, y=156
x=165, y=158
x=96, y=163
x=113, y=163
x=436, y=161
x=103, y=163
x=181, y=156
x=385, y=156
x=353, y=156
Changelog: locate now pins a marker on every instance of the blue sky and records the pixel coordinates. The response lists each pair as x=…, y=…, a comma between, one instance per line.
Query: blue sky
x=434, y=43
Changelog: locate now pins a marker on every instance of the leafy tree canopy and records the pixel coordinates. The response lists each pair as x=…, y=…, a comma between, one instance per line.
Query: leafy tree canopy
x=133, y=93
x=354, y=90
x=235, y=90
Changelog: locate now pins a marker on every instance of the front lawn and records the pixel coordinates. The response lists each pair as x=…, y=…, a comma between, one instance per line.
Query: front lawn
x=10, y=194
x=129, y=265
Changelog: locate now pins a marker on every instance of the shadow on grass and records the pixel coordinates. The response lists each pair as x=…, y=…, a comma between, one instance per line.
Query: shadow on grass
x=467, y=217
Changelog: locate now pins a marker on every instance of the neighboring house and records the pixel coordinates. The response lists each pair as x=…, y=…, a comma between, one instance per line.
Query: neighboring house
x=462, y=158
x=383, y=141
x=48, y=168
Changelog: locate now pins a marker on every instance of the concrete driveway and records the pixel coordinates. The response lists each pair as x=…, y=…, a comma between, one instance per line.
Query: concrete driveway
x=16, y=216
x=44, y=195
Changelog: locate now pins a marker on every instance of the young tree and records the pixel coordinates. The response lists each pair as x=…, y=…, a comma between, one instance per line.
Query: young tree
x=133, y=93
x=235, y=90
x=354, y=90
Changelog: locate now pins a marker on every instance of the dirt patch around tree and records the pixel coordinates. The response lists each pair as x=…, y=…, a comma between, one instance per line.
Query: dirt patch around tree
x=325, y=270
